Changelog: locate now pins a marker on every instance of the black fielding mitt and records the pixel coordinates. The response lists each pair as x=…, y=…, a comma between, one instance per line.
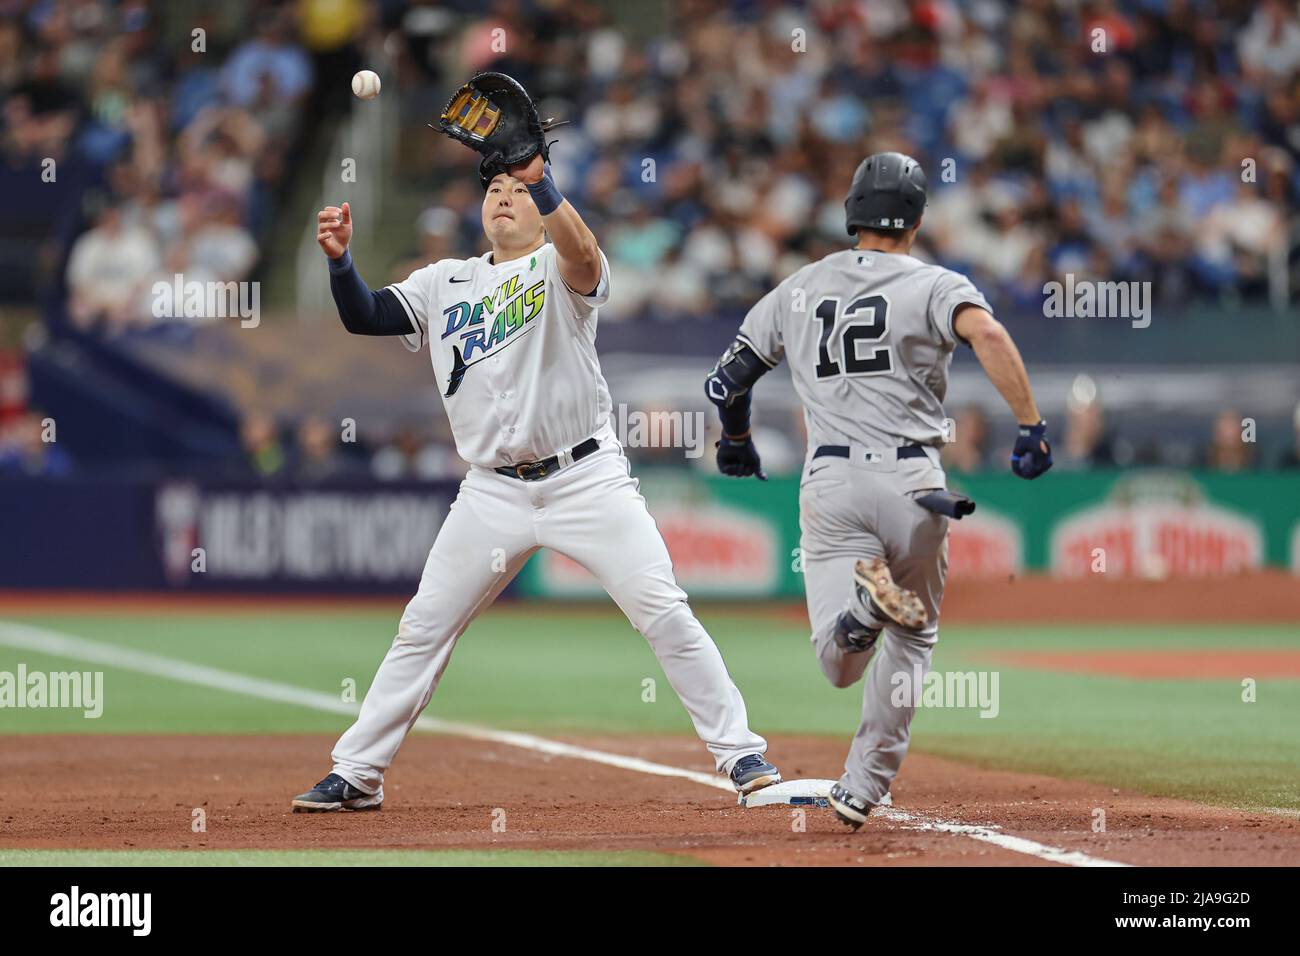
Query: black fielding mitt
x=494, y=115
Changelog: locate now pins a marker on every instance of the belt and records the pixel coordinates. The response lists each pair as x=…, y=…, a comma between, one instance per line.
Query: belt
x=535, y=470
x=842, y=451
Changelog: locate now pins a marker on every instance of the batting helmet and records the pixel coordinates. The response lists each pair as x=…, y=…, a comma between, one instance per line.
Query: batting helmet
x=888, y=193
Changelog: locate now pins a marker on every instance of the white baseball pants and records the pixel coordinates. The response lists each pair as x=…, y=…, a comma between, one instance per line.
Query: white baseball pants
x=592, y=511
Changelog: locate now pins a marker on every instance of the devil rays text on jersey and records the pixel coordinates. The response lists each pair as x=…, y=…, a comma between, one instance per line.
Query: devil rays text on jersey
x=513, y=350
x=511, y=307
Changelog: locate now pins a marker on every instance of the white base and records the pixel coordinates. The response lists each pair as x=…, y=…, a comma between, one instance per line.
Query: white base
x=798, y=793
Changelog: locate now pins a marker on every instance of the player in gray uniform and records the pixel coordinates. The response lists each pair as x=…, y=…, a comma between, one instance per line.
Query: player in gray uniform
x=869, y=334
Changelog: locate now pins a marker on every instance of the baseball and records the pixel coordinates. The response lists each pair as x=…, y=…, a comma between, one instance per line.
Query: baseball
x=365, y=84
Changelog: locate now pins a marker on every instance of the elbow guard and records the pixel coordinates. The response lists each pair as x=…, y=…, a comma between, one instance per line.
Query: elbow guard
x=734, y=375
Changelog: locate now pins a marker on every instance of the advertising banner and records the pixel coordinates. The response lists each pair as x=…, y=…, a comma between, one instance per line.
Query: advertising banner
x=731, y=538
x=727, y=537
x=211, y=536
x=201, y=535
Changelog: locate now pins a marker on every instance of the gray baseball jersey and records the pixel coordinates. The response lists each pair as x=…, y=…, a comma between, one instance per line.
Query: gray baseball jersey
x=869, y=338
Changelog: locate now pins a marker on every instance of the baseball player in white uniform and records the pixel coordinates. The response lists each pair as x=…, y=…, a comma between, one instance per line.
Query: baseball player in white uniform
x=511, y=335
x=869, y=334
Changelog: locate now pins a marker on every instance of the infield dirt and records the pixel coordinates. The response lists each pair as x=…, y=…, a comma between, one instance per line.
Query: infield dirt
x=138, y=792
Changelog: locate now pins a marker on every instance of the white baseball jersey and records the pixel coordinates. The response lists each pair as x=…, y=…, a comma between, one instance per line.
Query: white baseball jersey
x=869, y=338
x=514, y=353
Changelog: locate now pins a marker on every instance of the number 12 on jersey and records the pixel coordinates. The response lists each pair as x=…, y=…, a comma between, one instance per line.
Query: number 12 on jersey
x=879, y=361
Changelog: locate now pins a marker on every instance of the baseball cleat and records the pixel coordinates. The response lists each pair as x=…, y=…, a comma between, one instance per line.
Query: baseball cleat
x=886, y=598
x=751, y=772
x=849, y=808
x=334, y=793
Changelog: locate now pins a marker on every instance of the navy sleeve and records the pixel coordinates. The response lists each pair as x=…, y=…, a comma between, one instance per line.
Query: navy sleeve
x=364, y=312
x=729, y=383
x=735, y=417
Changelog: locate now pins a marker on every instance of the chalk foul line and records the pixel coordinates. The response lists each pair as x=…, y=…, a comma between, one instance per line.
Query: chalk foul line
x=44, y=641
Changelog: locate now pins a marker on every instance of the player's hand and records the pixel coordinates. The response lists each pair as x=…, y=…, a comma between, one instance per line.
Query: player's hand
x=334, y=229
x=738, y=458
x=1032, y=455
x=529, y=172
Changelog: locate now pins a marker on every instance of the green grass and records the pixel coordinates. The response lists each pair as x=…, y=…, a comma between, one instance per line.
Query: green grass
x=1189, y=738
x=332, y=858
x=583, y=672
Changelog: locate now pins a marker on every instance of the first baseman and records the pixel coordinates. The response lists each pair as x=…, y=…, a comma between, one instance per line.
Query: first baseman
x=869, y=334
x=511, y=335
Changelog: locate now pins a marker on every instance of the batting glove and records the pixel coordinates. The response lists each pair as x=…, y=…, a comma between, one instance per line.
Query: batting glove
x=1032, y=455
x=738, y=458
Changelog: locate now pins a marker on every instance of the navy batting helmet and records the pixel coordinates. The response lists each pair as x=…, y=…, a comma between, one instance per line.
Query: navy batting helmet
x=888, y=193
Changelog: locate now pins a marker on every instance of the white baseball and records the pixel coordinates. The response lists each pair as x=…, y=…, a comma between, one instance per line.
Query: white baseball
x=365, y=84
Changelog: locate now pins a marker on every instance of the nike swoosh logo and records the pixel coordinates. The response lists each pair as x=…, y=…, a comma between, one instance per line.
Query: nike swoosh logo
x=458, y=280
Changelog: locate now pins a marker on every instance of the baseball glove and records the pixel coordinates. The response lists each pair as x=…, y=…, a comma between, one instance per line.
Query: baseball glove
x=494, y=115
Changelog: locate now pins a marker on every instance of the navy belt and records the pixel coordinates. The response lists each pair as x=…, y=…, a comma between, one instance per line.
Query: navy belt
x=842, y=451
x=535, y=470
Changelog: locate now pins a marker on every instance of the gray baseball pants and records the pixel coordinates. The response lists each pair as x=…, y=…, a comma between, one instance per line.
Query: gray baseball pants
x=863, y=507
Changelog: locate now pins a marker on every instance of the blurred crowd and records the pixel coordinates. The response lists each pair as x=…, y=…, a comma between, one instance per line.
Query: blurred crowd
x=709, y=144
x=1086, y=439
x=314, y=450
x=141, y=140
x=1151, y=141
x=311, y=448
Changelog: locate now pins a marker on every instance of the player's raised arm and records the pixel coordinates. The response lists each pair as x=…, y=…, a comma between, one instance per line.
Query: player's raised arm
x=1006, y=370
x=493, y=115
x=576, y=250
x=363, y=312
